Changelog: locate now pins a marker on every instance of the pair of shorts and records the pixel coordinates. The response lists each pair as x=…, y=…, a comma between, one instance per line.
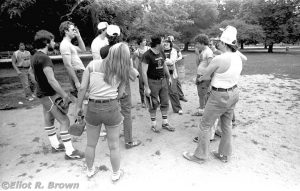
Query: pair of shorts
x=107, y=113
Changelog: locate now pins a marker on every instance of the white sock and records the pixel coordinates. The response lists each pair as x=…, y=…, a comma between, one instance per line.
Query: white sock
x=153, y=121
x=51, y=131
x=66, y=138
x=164, y=119
x=54, y=141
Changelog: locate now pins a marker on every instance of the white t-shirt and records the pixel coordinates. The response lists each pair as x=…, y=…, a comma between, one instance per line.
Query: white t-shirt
x=206, y=54
x=22, y=58
x=67, y=48
x=230, y=77
x=97, y=44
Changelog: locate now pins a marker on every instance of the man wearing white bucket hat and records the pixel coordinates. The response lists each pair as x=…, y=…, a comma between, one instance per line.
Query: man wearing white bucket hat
x=226, y=68
x=100, y=40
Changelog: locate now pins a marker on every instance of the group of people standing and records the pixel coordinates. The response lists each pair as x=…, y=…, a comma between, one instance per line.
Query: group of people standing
x=104, y=87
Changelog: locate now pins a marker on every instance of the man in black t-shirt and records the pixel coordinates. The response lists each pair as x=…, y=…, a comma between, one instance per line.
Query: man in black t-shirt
x=156, y=78
x=48, y=92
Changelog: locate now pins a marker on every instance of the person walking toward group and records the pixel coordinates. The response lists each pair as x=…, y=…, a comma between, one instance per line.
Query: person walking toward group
x=69, y=53
x=227, y=69
x=156, y=78
x=113, y=35
x=105, y=81
x=21, y=63
x=137, y=59
x=49, y=93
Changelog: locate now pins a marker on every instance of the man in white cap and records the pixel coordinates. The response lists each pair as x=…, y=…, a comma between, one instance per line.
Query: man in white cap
x=113, y=35
x=227, y=69
x=100, y=41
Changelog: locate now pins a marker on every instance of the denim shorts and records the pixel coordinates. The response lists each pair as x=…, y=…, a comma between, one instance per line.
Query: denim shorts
x=48, y=102
x=104, y=113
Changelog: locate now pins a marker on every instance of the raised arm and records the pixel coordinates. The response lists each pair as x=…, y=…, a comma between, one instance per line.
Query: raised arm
x=209, y=70
x=243, y=57
x=81, y=45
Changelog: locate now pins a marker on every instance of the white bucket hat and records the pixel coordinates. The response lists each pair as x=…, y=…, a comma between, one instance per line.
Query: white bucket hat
x=229, y=35
x=102, y=25
x=113, y=30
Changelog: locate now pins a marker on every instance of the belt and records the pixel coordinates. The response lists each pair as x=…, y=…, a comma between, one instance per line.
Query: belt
x=222, y=89
x=21, y=67
x=157, y=78
x=101, y=100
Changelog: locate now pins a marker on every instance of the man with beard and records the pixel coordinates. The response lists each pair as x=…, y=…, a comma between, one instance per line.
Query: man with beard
x=50, y=93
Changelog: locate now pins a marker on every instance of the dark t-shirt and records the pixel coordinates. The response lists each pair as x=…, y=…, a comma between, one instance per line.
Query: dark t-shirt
x=168, y=53
x=38, y=62
x=155, y=64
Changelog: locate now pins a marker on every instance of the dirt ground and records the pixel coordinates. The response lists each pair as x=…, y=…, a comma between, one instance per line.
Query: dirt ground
x=266, y=147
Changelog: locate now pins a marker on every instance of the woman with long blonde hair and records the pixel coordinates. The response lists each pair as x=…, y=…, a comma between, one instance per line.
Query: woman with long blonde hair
x=105, y=80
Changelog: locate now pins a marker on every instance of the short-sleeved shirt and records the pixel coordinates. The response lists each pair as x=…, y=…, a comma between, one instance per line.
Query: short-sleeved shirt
x=38, y=62
x=155, y=64
x=206, y=54
x=67, y=48
x=96, y=46
x=22, y=58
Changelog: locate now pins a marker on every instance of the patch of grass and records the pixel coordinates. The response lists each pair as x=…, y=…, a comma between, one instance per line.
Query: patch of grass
x=282, y=65
x=103, y=168
x=36, y=139
x=254, y=142
x=22, y=175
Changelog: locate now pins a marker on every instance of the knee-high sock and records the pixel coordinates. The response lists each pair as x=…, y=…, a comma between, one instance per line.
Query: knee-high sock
x=66, y=138
x=51, y=131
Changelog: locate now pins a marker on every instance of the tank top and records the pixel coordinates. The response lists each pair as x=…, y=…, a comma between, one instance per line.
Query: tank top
x=229, y=78
x=98, y=88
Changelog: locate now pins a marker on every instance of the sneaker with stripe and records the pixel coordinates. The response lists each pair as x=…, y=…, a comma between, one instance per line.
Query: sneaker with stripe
x=60, y=148
x=76, y=154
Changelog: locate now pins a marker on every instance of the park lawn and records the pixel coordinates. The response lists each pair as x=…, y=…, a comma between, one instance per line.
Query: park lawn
x=281, y=65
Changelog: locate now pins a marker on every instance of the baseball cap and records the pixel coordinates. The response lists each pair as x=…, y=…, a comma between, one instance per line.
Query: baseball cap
x=113, y=30
x=102, y=25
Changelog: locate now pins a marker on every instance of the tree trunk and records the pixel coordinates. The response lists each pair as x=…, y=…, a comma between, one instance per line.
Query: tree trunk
x=270, y=49
x=242, y=45
x=94, y=19
x=186, y=46
x=265, y=46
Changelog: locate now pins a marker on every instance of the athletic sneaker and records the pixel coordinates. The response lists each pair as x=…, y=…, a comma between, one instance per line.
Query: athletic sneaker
x=76, y=154
x=60, y=148
x=116, y=176
x=92, y=172
x=180, y=112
